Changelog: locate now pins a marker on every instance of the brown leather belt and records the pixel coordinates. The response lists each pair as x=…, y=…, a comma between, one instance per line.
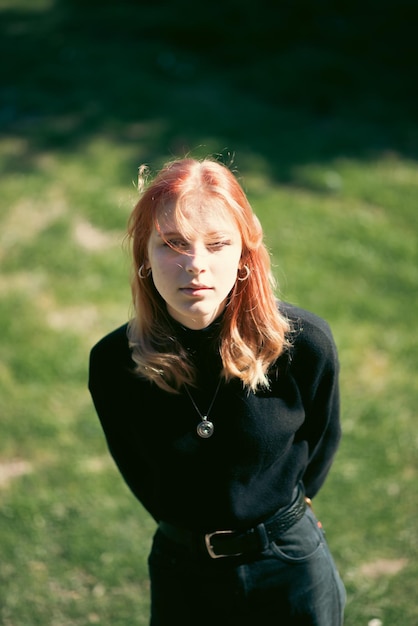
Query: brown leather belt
x=224, y=543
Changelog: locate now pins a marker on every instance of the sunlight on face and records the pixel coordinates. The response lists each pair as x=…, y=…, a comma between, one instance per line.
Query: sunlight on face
x=194, y=266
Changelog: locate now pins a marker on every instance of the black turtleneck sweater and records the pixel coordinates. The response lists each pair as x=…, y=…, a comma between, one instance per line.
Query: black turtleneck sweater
x=263, y=444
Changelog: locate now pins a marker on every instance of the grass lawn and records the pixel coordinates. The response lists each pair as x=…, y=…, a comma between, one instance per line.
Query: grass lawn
x=321, y=127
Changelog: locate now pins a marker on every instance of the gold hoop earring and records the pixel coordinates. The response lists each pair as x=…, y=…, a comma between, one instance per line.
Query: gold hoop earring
x=247, y=271
x=141, y=272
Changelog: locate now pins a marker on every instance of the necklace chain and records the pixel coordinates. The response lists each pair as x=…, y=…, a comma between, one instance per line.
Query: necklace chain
x=205, y=428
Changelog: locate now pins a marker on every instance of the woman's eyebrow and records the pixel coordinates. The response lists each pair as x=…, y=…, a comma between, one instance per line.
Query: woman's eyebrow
x=209, y=234
x=167, y=235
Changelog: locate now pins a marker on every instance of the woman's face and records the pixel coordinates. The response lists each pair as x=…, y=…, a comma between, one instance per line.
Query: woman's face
x=195, y=276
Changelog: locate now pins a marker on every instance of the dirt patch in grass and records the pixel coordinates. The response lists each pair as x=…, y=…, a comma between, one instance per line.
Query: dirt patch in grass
x=91, y=238
x=13, y=469
x=383, y=567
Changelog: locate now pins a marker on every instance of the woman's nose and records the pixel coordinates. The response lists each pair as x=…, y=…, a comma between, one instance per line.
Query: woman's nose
x=195, y=261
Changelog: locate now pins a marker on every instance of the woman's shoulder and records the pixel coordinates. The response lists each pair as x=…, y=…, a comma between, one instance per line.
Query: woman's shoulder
x=113, y=346
x=309, y=333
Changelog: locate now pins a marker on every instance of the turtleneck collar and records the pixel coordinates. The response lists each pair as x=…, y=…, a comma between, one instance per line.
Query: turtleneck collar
x=194, y=339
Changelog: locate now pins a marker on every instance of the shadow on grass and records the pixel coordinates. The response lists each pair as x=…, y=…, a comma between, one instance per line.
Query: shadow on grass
x=288, y=83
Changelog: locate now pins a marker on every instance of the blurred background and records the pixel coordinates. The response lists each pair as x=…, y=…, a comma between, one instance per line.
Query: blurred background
x=314, y=105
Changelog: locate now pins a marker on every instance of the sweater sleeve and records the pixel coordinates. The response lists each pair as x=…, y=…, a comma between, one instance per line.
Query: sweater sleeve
x=323, y=441
x=109, y=386
x=317, y=366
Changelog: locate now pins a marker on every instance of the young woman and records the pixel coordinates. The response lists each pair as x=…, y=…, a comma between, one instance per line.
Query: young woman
x=220, y=408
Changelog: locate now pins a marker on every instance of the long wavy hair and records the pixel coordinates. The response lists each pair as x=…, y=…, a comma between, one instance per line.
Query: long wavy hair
x=253, y=333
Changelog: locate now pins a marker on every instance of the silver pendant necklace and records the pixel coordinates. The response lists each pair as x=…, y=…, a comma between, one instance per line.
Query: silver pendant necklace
x=205, y=428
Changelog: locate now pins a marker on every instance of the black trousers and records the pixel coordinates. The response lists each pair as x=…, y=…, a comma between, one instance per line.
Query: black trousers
x=294, y=582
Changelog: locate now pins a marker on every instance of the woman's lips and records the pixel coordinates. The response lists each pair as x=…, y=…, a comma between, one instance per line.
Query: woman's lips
x=194, y=290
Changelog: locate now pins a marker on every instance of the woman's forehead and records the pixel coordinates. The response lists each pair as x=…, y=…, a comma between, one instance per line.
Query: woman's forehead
x=195, y=216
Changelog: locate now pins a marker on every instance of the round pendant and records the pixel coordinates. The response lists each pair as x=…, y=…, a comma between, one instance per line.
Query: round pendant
x=205, y=429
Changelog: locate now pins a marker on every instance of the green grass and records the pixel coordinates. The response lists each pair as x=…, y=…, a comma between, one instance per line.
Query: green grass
x=323, y=133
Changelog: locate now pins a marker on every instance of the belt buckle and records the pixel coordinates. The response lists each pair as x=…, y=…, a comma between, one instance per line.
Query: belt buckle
x=209, y=546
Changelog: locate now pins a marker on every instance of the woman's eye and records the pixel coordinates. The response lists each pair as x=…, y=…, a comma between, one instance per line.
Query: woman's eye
x=177, y=244
x=217, y=245
x=185, y=246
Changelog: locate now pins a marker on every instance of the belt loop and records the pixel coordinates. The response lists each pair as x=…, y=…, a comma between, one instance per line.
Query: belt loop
x=263, y=534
